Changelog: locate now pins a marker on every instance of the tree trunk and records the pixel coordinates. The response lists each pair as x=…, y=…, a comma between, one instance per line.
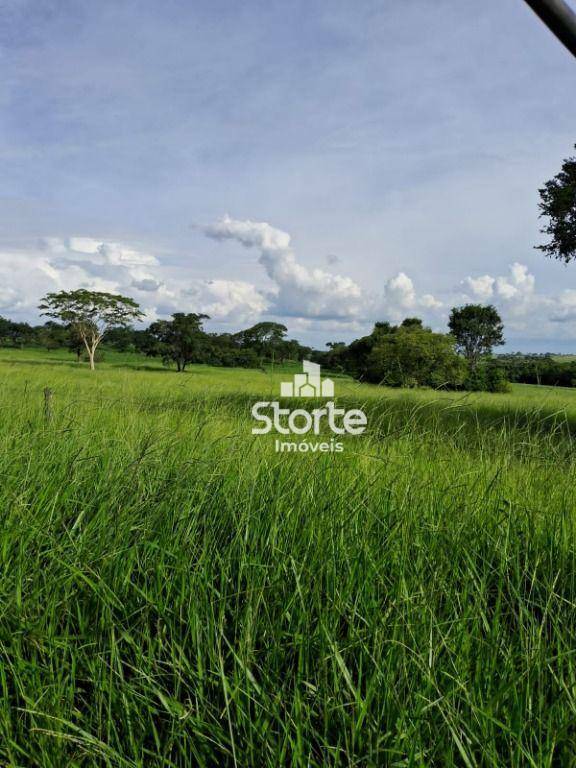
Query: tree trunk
x=91, y=349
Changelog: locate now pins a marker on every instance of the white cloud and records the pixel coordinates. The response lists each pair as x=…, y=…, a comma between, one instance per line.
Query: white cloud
x=400, y=292
x=302, y=292
x=430, y=302
x=480, y=287
x=315, y=300
x=517, y=286
x=112, y=253
x=252, y=234
x=64, y=264
x=523, y=308
x=400, y=297
x=298, y=291
x=226, y=300
x=9, y=298
x=78, y=244
x=565, y=308
x=147, y=284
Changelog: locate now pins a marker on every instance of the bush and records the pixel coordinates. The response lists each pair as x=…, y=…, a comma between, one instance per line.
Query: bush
x=496, y=380
x=476, y=380
x=489, y=376
x=415, y=356
x=233, y=358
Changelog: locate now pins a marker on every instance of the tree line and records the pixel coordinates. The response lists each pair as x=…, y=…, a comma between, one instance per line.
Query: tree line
x=404, y=355
x=407, y=355
x=543, y=369
x=412, y=355
x=81, y=320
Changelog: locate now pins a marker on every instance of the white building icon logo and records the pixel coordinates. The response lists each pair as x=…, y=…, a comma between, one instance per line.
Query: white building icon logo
x=308, y=384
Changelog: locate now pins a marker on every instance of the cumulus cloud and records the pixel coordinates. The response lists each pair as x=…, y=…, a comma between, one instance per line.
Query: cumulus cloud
x=147, y=284
x=9, y=298
x=518, y=285
x=314, y=299
x=309, y=293
x=311, y=297
x=227, y=300
x=480, y=287
x=252, y=234
x=298, y=290
x=115, y=254
x=111, y=261
x=430, y=302
x=400, y=297
x=82, y=262
x=564, y=310
x=519, y=302
x=400, y=293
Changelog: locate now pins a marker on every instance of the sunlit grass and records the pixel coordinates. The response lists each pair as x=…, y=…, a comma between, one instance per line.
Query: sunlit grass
x=175, y=593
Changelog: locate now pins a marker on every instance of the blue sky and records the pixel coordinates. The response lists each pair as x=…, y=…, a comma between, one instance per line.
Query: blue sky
x=326, y=164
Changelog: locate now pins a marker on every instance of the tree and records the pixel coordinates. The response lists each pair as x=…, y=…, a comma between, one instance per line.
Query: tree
x=16, y=334
x=477, y=330
x=558, y=204
x=4, y=329
x=414, y=356
x=291, y=349
x=265, y=338
x=411, y=322
x=75, y=343
x=355, y=358
x=90, y=314
x=52, y=335
x=180, y=340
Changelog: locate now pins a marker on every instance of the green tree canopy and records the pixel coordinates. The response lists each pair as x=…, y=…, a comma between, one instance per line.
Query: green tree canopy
x=558, y=205
x=411, y=322
x=477, y=329
x=265, y=338
x=90, y=314
x=180, y=340
x=415, y=356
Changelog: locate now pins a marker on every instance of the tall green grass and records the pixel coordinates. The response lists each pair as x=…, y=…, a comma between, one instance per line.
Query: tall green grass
x=175, y=593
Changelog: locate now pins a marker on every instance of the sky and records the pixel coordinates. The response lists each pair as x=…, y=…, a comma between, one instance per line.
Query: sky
x=320, y=163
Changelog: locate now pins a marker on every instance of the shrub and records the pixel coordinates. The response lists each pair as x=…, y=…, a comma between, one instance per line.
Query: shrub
x=415, y=356
x=488, y=376
x=496, y=380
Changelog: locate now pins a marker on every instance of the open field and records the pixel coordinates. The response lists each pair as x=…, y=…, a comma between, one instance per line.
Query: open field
x=175, y=593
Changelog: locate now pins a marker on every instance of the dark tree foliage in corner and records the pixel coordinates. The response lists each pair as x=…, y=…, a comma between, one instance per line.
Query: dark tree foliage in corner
x=558, y=205
x=477, y=329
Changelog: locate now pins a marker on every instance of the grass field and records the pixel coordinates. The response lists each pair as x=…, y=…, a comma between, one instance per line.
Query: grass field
x=175, y=593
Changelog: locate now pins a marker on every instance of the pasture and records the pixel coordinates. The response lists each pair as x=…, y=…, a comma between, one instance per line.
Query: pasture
x=175, y=593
